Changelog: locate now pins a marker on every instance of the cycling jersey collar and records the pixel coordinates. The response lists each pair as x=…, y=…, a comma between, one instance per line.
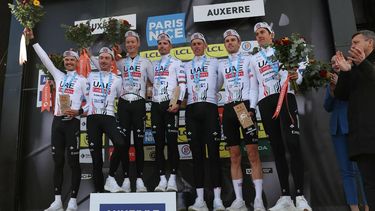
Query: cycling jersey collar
x=105, y=72
x=165, y=56
x=70, y=72
x=234, y=55
x=198, y=58
x=266, y=50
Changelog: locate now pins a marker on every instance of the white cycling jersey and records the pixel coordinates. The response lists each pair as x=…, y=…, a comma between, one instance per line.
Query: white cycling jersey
x=268, y=79
x=70, y=84
x=201, y=79
x=104, y=87
x=134, y=84
x=168, y=73
x=235, y=73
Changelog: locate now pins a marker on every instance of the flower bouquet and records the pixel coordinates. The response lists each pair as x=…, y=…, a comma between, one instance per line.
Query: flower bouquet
x=28, y=13
x=81, y=35
x=290, y=52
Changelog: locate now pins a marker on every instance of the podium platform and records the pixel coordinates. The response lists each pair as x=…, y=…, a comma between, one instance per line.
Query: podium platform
x=156, y=201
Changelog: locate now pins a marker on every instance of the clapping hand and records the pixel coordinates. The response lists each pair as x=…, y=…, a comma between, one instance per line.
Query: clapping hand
x=343, y=64
x=357, y=55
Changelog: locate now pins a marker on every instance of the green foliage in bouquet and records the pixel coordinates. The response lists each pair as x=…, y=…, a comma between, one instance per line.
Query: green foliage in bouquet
x=57, y=60
x=114, y=30
x=79, y=34
x=316, y=75
x=290, y=51
x=27, y=12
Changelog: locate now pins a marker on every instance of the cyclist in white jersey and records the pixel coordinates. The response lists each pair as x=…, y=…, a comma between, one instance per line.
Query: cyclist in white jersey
x=267, y=83
x=66, y=124
x=234, y=72
x=104, y=88
x=168, y=74
x=202, y=121
x=135, y=72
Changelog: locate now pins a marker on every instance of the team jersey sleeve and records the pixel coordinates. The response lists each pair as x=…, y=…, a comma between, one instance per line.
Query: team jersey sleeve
x=118, y=86
x=87, y=93
x=220, y=77
x=84, y=89
x=149, y=70
x=121, y=65
x=56, y=73
x=254, y=87
x=181, y=79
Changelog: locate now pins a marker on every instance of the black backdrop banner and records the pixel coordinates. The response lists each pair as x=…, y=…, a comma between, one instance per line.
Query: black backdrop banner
x=309, y=18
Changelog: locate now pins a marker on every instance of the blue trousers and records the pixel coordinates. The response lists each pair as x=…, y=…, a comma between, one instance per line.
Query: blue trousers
x=348, y=170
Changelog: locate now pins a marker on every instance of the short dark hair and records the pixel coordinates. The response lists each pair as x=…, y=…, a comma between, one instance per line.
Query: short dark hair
x=366, y=33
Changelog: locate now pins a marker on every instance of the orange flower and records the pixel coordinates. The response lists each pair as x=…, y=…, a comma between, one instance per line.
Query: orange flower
x=36, y=3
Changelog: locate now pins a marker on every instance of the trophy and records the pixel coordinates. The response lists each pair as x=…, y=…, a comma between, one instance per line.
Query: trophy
x=243, y=115
x=64, y=103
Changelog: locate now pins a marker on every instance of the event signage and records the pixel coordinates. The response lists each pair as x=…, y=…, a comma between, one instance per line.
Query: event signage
x=225, y=11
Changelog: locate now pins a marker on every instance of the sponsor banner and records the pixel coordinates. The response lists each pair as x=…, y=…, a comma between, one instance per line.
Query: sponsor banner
x=183, y=53
x=261, y=132
x=137, y=207
x=181, y=120
x=148, y=106
x=152, y=55
x=185, y=152
x=97, y=25
x=213, y=50
x=165, y=201
x=84, y=141
x=85, y=156
x=148, y=120
x=216, y=50
x=225, y=11
x=42, y=79
x=83, y=126
x=249, y=171
x=223, y=150
x=149, y=152
x=86, y=176
x=149, y=138
x=182, y=138
x=173, y=25
x=248, y=46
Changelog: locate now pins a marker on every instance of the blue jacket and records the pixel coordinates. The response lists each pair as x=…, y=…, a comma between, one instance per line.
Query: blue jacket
x=339, y=113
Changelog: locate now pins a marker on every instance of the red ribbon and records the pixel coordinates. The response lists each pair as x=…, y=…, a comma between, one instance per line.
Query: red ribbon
x=282, y=96
x=84, y=67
